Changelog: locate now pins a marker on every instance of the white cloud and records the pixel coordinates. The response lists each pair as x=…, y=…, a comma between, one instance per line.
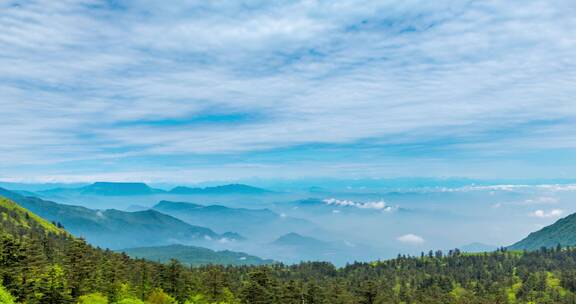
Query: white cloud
x=548, y=214
x=411, y=239
x=378, y=205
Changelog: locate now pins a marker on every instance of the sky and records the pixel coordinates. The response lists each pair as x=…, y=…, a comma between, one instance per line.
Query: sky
x=189, y=91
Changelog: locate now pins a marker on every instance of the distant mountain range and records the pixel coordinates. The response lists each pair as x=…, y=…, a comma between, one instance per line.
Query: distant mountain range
x=105, y=188
x=294, y=247
x=253, y=223
x=224, y=189
x=194, y=256
x=119, y=229
x=304, y=242
x=477, y=247
x=562, y=232
x=128, y=189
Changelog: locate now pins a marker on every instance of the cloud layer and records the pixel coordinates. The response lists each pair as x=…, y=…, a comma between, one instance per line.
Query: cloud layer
x=142, y=87
x=377, y=205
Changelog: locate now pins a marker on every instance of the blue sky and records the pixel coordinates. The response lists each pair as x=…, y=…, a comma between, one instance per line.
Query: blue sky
x=189, y=91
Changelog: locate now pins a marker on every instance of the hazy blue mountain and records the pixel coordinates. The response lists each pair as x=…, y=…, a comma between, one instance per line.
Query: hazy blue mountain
x=224, y=189
x=477, y=247
x=296, y=240
x=249, y=222
x=294, y=247
x=562, y=232
x=134, y=208
x=119, y=229
x=32, y=187
x=106, y=189
x=192, y=255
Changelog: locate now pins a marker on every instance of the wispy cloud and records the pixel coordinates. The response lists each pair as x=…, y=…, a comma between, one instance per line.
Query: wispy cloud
x=83, y=82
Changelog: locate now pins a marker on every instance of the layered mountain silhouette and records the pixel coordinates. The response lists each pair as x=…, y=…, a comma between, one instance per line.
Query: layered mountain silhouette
x=119, y=229
x=132, y=189
x=105, y=188
x=224, y=189
x=253, y=223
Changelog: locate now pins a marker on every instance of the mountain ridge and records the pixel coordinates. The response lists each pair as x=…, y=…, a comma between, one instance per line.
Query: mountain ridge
x=221, y=189
x=194, y=256
x=562, y=232
x=113, y=228
x=249, y=222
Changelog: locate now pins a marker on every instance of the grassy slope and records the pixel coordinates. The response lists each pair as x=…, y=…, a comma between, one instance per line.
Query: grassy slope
x=23, y=218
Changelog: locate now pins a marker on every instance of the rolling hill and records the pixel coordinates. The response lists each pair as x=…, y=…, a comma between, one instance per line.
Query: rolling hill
x=296, y=240
x=194, y=256
x=562, y=232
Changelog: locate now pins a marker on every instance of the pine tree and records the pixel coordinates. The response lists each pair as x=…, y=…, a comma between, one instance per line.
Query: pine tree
x=258, y=289
x=51, y=288
x=78, y=267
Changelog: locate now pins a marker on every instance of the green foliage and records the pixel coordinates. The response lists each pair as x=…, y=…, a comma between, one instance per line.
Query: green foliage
x=158, y=296
x=194, y=256
x=197, y=299
x=93, y=298
x=52, y=287
x=5, y=296
x=130, y=301
x=20, y=217
x=259, y=288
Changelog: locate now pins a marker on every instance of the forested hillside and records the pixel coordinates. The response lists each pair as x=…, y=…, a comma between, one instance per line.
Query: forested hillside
x=41, y=263
x=562, y=232
x=191, y=255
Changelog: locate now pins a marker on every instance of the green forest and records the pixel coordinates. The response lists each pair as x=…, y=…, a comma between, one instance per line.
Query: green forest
x=41, y=263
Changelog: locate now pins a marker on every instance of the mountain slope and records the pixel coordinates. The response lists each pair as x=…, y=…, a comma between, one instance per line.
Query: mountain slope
x=194, y=256
x=14, y=217
x=562, y=232
x=296, y=240
x=249, y=222
x=118, y=229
